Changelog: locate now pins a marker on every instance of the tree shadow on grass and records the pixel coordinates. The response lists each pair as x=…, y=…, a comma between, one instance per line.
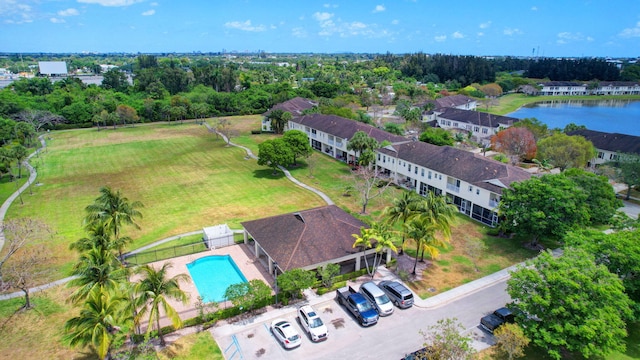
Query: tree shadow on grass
x=268, y=174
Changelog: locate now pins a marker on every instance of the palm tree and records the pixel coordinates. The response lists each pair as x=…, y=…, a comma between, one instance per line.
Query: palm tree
x=377, y=237
x=435, y=215
x=153, y=291
x=99, y=323
x=97, y=269
x=113, y=210
x=98, y=237
x=403, y=208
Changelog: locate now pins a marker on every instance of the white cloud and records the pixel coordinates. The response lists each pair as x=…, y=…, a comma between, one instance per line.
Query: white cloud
x=148, y=12
x=379, y=8
x=480, y=33
x=485, y=25
x=457, y=35
x=244, y=26
x=395, y=22
x=324, y=16
x=68, y=12
x=440, y=38
x=155, y=4
x=631, y=32
x=565, y=37
x=534, y=8
x=510, y=31
x=330, y=6
x=299, y=32
x=15, y=12
x=56, y=20
x=111, y=2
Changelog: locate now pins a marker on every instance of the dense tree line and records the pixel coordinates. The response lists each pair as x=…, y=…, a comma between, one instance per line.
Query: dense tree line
x=441, y=68
x=573, y=69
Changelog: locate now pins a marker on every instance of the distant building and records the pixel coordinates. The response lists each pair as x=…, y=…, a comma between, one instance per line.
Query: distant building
x=52, y=68
x=295, y=106
x=609, y=145
x=479, y=124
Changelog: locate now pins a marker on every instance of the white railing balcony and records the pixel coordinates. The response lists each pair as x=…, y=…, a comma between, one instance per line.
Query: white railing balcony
x=453, y=188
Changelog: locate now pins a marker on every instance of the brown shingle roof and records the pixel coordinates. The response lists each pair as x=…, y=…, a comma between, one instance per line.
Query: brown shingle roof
x=611, y=141
x=305, y=238
x=474, y=169
x=295, y=106
x=477, y=118
x=345, y=128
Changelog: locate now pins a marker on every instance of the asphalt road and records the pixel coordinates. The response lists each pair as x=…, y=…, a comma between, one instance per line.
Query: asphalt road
x=392, y=338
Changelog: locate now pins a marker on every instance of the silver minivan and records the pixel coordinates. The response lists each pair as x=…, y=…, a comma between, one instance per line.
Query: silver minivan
x=398, y=293
x=377, y=298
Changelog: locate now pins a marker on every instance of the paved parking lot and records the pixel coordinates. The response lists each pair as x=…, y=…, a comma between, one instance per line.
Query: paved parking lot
x=391, y=338
x=345, y=336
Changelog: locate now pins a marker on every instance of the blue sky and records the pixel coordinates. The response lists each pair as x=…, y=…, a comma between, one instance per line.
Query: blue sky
x=517, y=27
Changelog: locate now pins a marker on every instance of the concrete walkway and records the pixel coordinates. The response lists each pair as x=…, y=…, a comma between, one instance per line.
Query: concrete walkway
x=285, y=171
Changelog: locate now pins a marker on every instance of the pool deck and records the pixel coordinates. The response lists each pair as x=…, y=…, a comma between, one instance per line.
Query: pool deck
x=250, y=267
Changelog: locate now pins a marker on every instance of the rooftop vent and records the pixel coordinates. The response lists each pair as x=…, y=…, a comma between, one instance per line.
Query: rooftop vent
x=299, y=217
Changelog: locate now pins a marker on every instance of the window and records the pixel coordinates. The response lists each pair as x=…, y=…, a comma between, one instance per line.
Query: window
x=313, y=131
x=409, y=167
x=429, y=175
x=470, y=188
x=416, y=171
x=455, y=124
x=476, y=128
x=422, y=172
x=477, y=191
x=440, y=177
x=485, y=131
x=448, y=123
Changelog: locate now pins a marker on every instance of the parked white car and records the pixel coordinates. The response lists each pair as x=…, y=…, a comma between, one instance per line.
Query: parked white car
x=285, y=333
x=312, y=324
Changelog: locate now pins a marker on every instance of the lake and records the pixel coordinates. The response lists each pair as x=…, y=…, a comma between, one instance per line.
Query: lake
x=613, y=116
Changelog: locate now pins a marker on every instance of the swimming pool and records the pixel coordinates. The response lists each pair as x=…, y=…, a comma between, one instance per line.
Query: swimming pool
x=213, y=274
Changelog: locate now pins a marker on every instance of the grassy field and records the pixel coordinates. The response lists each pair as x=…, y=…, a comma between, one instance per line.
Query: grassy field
x=184, y=176
x=509, y=103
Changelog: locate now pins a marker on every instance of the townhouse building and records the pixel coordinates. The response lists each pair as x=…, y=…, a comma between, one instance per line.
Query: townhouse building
x=573, y=88
x=295, y=106
x=482, y=126
x=330, y=134
x=557, y=88
x=609, y=145
x=472, y=182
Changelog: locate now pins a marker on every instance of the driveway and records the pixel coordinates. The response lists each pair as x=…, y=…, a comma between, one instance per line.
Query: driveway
x=632, y=210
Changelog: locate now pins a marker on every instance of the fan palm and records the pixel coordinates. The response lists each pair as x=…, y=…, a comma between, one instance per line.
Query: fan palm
x=152, y=293
x=99, y=323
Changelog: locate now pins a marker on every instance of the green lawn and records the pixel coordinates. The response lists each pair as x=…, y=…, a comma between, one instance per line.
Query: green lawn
x=185, y=177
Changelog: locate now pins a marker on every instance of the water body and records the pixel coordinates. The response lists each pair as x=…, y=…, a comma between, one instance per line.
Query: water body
x=613, y=116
